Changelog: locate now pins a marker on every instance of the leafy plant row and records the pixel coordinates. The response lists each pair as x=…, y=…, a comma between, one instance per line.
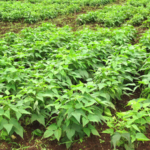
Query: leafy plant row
x=145, y=41
x=116, y=15
x=16, y=10
x=84, y=2
x=127, y=127
x=63, y=80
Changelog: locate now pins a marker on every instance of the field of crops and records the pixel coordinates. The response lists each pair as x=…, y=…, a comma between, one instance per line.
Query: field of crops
x=64, y=85
x=133, y=12
x=26, y=11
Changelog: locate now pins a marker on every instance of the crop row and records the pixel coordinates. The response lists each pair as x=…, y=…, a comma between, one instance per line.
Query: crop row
x=30, y=13
x=127, y=127
x=116, y=15
x=84, y=2
x=65, y=80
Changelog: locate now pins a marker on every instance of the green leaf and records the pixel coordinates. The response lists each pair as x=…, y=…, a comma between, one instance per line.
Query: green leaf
x=7, y=92
x=3, y=121
x=18, y=128
x=68, y=144
x=18, y=115
x=126, y=136
x=84, y=121
x=38, y=117
x=101, y=85
x=115, y=139
x=135, y=127
x=133, y=138
x=87, y=131
x=94, y=132
x=19, y=131
x=7, y=113
x=77, y=115
x=48, y=133
x=93, y=118
x=40, y=96
x=57, y=134
x=37, y=132
x=52, y=127
x=107, y=112
x=1, y=111
x=8, y=127
x=23, y=111
x=109, y=131
x=78, y=105
x=70, y=133
x=14, y=122
x=141, y=137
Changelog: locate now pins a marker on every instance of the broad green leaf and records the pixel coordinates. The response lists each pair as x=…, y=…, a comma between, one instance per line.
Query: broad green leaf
x=87, y=131
x=18, y=115
x=68, y=144
x=70, y=133
x=3, y=121
x=77, y=115
x=115, y=139
x=7, y=92
x=52, y=127
x=141, y=137
x=101, y=85
x=14, y=108
x=40, y=96
x=7, y=113
x=136, y=127
x=1, y=111
x=48, y=133
x=126, y=136
x=94, y=132
x=133, y=138
x=37, y=132
x=78, y=105
x=109, y=131
x=107, y=112
x=84, y=121
x=19, y=131
x=23, y=111
x=59, y=122
x=38, y=117
x=57, y=134
x=8, y=127
x=18, y=128
x=93, y=118
x=14, y=122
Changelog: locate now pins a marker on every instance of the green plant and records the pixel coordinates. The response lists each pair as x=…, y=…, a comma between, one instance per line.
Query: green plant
x=136, y=20
x=127, y=127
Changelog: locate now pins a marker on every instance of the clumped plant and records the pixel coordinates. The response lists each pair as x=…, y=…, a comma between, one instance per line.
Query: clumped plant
x=127, y=127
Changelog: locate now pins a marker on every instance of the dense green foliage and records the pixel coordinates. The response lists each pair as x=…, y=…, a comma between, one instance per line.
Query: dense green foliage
x=116, y=15
x=127, y=127
x=47, y=9
x=51, y=74
x=67, y=81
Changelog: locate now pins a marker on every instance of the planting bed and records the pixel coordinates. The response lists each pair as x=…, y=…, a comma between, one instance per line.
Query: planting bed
x=82, y=89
